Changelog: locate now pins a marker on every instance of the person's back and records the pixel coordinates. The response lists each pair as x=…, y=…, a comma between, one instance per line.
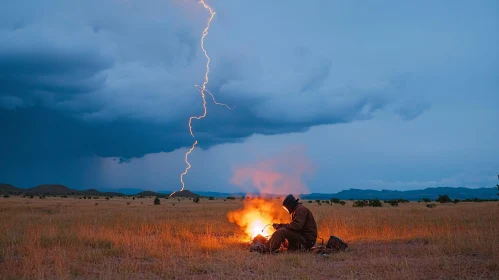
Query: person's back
x=303, y=222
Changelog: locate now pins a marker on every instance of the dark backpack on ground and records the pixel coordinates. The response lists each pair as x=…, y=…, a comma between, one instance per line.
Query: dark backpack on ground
x=336, y=244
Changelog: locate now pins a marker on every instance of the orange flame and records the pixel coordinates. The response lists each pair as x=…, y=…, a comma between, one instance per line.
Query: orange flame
x=256, y=214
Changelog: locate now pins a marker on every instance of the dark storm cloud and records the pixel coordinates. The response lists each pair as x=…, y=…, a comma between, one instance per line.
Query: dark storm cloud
x=93, y=87
x=49, y=71
x=118, y=81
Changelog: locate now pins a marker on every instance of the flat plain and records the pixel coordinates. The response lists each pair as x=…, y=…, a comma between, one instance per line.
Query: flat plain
x=71, y=238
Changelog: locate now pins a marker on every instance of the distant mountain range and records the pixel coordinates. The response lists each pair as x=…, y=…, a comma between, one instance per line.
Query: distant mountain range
x=51, y=189
x=354, y=194
x=430, y=193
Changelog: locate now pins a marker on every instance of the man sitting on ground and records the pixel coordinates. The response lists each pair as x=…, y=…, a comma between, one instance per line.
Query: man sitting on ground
x=301, y=233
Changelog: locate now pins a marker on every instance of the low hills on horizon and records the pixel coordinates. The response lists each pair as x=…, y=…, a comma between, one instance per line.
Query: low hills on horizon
x=58, y=189
x=350, y=194
x=51, y=189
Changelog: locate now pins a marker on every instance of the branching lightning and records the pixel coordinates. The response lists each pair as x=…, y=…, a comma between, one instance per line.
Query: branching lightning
x=202, y=89
x=206, y=74
x=212, y=97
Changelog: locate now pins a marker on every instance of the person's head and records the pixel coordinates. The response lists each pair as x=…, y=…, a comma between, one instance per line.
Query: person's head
x=290, y=203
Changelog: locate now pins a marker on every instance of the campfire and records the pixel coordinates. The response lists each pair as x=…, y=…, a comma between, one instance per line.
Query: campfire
x=257, y=215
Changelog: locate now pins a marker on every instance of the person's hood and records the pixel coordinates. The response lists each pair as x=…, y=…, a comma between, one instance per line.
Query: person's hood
x=290, y=203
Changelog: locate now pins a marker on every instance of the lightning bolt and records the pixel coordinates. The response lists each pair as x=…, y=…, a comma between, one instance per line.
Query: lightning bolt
x=202, y=89
x=208, y=60
x=186, y=159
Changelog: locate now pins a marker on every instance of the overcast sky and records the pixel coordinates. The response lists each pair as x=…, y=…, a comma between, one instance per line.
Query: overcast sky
x=330, y=94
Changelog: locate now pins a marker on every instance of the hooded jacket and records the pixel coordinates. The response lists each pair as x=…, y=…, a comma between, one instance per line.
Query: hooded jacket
x=303, y=222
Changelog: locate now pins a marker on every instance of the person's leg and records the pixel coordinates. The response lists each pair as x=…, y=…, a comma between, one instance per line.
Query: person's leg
x=307, y=244
x=276, y=239
x=282, y=234
x=294, y=240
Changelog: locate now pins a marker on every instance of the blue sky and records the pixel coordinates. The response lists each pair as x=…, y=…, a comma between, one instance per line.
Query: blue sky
x=370, y=94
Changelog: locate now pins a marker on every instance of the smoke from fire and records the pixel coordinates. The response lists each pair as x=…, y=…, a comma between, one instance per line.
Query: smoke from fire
x=281, y=175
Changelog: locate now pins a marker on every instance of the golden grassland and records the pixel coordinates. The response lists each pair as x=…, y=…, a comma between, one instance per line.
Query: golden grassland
x=67, y=238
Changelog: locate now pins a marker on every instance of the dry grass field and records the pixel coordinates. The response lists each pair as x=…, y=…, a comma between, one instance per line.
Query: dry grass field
x=67, y=238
